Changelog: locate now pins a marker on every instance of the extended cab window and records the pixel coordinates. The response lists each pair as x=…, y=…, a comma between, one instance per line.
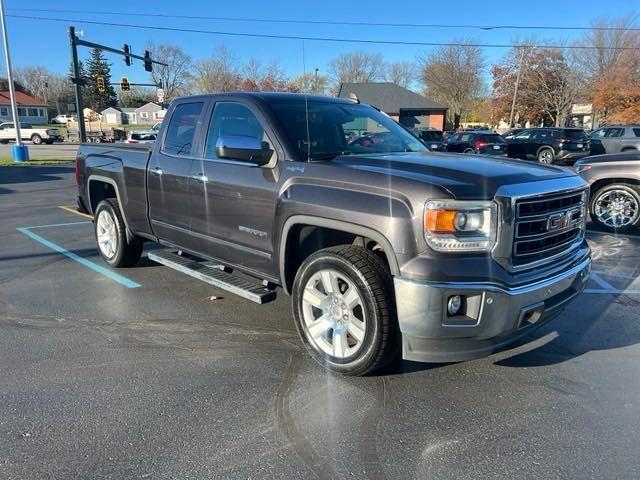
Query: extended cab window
x=182, y=129
x=232, y=119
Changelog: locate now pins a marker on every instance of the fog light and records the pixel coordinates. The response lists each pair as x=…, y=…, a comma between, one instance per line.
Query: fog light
x=454, y=304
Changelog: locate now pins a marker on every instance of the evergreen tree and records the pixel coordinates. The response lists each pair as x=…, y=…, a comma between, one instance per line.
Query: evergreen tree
x=96, y=66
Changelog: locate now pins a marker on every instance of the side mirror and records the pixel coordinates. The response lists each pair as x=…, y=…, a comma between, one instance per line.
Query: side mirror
x=243, y=149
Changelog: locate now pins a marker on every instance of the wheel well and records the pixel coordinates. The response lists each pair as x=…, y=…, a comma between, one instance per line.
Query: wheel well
x=546, y=147
x=303, y=240
x=98, y=191
x=630, y=149
x=598, y=184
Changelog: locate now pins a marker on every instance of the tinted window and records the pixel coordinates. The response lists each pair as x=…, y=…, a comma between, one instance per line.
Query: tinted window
x=636, y=132
x=466, y=137
x=232, y=119
x=573, y=134
x=431, y=136
x=491, y=138
x=454, y=137
x=524, y=135
x=615, y=132
x=543, y=134
x=598, y=133
x=182, y=129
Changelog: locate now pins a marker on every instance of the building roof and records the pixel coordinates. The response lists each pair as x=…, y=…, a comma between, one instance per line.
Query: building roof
x=21, y=99
x=388, y=96
x=110, y=109
x=149, y=106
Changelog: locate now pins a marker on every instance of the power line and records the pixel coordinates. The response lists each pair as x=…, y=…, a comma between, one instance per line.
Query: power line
x=331, y=22
x=309, y=38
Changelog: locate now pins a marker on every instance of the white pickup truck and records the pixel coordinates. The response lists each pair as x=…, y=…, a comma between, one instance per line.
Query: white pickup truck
x=28, y=132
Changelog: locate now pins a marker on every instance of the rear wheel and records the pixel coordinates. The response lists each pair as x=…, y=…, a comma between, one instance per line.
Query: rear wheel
x=344, y=310
x=36, y=139
x=469, y=151
x=111, y=236
x=546, y=156
x=616, y=207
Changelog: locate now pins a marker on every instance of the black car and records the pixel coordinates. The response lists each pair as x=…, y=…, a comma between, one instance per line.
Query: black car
x=433, y=139
x=486, y=143
x=548, y=145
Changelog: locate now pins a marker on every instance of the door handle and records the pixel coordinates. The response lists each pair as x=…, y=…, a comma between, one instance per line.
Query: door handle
x=201, y=177
x=156, y=170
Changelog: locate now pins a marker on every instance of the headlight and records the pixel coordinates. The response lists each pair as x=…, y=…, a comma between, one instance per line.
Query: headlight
x=460, y=226
x=583, y=167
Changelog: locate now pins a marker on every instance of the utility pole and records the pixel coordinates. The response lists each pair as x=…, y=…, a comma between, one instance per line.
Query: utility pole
x=20, y=151
x=515, y=90
x=77, y=81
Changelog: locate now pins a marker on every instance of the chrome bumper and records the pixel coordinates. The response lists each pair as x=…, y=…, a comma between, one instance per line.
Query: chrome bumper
x=492, y=316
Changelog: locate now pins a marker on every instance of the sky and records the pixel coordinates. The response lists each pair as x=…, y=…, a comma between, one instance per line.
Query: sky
x=46, y=42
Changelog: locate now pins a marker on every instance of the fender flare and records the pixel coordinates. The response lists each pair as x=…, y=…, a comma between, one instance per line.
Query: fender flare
x=348, y=227
x=114, y=184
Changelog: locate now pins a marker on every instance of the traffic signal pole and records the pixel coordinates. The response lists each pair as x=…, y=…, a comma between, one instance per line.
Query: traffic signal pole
x=74, y=42
x=78, y=82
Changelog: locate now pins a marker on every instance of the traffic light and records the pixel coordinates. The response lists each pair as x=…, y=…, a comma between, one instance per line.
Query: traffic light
x=127, y=58
x=148, y=66
x=124, y=84
x=100, y=83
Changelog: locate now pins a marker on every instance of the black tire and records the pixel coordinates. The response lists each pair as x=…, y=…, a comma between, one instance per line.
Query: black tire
x=126, y=253
x=36, y=139
x=546, y=156
x=469, y=151
x=632, y=190
x=370, y=276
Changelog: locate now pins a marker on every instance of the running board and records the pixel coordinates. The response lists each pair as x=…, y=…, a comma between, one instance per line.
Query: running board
x=214, y=275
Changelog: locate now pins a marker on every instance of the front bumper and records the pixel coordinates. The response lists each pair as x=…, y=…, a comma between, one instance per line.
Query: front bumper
x=493, y=316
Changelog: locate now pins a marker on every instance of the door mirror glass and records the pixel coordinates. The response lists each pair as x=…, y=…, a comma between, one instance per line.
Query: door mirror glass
x=244, y=149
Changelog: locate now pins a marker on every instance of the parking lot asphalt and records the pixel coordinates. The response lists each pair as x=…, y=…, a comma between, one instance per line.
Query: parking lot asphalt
x=152, y=374
x=58, y=151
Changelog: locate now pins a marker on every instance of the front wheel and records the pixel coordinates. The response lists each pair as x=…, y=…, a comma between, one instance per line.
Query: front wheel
x=111, y=236
x=616, y=207
x=344, y=310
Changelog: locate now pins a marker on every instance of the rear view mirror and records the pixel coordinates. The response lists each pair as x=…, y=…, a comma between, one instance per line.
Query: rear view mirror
x=243, y=149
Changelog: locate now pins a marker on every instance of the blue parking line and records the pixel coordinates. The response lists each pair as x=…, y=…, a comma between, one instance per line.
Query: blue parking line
x=57, y=225
x=83, y=261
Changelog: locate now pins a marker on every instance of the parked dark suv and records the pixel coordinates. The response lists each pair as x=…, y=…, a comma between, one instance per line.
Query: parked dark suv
x=433, y=139
x=548, y=145
x=483, y=142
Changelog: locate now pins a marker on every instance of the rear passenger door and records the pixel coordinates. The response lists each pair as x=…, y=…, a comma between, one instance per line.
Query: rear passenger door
x=539, y=139
x=612, y=140
x=517, y=145
x=169, y=175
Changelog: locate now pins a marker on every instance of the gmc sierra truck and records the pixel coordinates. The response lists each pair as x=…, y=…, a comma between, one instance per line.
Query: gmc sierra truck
x=385, y=247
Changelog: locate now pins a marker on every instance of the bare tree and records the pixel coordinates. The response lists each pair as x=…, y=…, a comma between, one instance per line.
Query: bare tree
x=175, y=77
x=452, y=75
x=401, y=73
x=269, y=78
x=310, y=83
x=33, y=78
x=356, y=67
x=219, y=73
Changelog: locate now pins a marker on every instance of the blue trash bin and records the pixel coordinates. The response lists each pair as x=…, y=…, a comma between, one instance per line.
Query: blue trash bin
x=20, y=153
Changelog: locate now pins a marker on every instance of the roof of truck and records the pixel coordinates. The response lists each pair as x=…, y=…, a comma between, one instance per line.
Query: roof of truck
x=270, y=97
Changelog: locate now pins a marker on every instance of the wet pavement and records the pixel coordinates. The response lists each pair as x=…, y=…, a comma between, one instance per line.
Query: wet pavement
x=152, y=374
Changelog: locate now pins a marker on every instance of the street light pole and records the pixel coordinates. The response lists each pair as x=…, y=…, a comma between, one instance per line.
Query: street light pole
x=20, y=151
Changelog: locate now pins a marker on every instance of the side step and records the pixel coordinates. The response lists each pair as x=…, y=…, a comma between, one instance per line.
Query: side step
x=213, y=275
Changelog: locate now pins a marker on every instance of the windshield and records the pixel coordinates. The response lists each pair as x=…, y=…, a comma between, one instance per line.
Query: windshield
x=331, y=129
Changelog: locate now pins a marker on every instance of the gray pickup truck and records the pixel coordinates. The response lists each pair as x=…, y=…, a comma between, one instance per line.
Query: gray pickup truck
x=384, y=246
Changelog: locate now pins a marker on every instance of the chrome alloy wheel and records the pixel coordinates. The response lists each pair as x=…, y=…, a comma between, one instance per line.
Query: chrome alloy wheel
x=333, y=314
x=616, y=208
x=107, y=234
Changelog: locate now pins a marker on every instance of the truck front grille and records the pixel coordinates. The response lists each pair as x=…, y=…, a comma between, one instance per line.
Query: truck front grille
x=547, y=227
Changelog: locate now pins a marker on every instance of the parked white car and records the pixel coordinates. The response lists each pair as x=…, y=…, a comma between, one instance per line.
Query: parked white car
x=63, y=119
x=37, y=135
x=141, y=136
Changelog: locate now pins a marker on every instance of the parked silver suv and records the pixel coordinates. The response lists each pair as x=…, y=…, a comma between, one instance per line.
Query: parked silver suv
x=615, y=138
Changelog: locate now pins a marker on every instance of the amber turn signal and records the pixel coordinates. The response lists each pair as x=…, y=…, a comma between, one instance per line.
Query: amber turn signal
x=440, y=221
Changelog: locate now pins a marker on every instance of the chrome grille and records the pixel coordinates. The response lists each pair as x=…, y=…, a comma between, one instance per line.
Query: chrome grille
x=547, y=227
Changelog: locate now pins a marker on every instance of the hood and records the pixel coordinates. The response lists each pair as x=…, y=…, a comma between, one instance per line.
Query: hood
x=610, y=157
x=464, y=176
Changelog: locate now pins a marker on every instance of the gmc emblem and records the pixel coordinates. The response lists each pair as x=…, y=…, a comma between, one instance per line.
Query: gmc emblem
x=559, y=221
